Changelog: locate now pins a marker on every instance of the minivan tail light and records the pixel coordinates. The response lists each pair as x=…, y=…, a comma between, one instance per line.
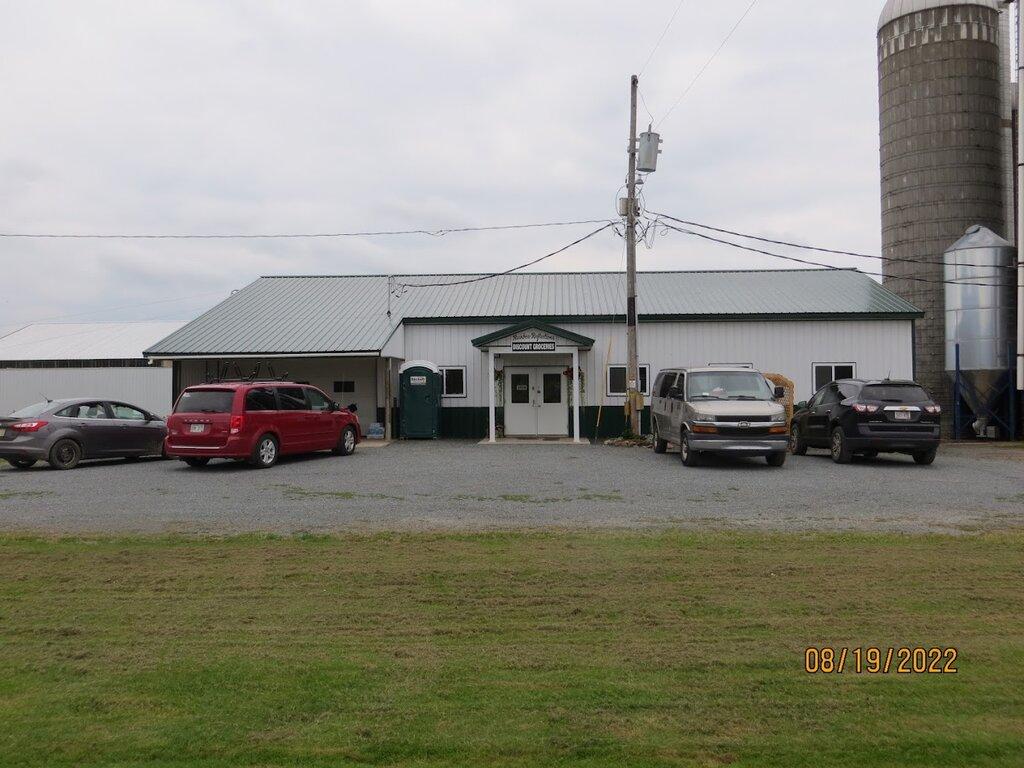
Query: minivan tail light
x=29, y=426
x=864, y=408
x=236, y=424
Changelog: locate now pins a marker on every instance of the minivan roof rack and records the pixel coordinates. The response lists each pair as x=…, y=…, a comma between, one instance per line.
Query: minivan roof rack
x=222, y=374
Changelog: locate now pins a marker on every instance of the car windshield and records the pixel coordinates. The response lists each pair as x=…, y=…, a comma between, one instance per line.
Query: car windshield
x=205, y=401
x=33, y=410
x=729, y=385
x=895, y=393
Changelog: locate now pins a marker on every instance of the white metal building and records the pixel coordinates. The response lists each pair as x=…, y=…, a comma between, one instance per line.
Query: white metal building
x=102, y=360
x=508, y=347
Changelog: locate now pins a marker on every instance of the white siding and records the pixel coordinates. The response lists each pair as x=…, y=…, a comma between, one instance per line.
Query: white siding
x=879, y=348
x=149, y=388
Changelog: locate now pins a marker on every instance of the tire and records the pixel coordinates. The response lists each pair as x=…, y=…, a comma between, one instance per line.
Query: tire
x=924, y=458
x=264, y=454
x=776, y=459
x=22, y=463
x=840, y=451
x=65, y=454
x=690, y=458
x=796, y=442
x=346, y=443
x=196, y=461
x=660, y=446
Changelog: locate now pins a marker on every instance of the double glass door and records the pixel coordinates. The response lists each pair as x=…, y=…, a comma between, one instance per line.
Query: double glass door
x=536, y=402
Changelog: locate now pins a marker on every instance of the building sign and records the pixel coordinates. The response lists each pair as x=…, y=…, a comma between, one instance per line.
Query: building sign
x=533, y=340
x=418, y=381
x=533, y=346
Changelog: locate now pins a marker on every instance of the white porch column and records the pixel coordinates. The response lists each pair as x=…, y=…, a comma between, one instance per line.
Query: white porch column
x=490, y=395
x=576, y=395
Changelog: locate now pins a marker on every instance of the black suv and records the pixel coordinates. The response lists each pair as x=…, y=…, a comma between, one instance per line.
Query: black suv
x=866, y=418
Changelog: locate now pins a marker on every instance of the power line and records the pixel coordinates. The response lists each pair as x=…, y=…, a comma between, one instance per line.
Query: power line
x=708, y=63
x=833, y=267
x=491, y=276
x=657, y=45
x=855, y=254
x=284, y=236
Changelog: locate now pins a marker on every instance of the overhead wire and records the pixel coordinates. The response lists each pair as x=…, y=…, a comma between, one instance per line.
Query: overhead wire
x=664, y=32
x=286, y=236
x=708, y=63
x=833, y=267
x=748, y=236
x=491, y=276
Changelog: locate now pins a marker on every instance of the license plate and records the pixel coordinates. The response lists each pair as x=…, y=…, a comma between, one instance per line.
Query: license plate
x=196, y=428
x=3, y=432
x=902, y=415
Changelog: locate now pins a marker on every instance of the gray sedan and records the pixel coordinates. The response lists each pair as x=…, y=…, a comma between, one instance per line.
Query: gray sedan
x=64, y=432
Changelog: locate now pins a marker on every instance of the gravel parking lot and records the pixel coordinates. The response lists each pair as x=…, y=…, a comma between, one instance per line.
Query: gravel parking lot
x=460, y=485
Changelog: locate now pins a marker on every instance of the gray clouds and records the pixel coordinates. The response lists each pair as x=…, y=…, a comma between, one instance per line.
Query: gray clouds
x=195, y=116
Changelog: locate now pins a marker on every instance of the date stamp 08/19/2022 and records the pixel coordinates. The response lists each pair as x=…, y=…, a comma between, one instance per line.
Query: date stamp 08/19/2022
x=881, y=661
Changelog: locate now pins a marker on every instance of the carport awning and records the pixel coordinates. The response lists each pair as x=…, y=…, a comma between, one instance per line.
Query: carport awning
x=537, y=327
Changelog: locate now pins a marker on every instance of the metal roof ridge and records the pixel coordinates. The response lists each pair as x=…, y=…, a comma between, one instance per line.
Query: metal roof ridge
x=569, y=272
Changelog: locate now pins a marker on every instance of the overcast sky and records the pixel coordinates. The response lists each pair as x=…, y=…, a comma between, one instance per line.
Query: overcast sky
x=301, y=116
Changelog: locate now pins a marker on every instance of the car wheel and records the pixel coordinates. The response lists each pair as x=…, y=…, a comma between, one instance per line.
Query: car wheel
x=840, y=453
x=22, y=463
x=346, y=443
x=660, y=446
x=196, y=461
x=65, y=454
x=776, y=459
x=264, y=455
x=926, y=457
x=796, y=442
x=689, y=457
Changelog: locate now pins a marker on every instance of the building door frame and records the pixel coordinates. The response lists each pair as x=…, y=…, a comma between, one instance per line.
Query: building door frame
x=536, y=401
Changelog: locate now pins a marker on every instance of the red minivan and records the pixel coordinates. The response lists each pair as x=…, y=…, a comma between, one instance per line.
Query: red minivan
x=257, y=421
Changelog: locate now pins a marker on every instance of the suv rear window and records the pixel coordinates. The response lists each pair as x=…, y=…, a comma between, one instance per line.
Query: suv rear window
x=895, y=393
x=205, y=401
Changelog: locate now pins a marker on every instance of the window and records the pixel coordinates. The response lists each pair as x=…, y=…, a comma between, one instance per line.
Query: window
x=317, y=402
x=205, y=401
x=830, y=396
x=728, y=385
x=36, y=410
x=896, y=393
x=826, y=373
x=128, y=413
x=344, y=387
x=552, y=386
x=520, y=388
x=85, y=411
x=292, y=399
x=664, y=383
x=617, y=380
x=454, y=380
x=260, y=399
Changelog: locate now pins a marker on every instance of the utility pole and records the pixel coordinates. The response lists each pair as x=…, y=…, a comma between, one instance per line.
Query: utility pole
x=632, y=362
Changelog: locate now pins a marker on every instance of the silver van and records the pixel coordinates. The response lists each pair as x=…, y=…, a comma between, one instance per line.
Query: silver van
x=719, y=409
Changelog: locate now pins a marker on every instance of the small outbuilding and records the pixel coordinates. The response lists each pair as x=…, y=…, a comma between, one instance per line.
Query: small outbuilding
x=543, y=354
x=104, y=360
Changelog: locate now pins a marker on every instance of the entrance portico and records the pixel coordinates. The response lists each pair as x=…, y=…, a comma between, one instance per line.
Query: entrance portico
x=539, y=363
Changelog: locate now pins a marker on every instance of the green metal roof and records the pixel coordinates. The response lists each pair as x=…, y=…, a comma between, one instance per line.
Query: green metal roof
x=325, y=315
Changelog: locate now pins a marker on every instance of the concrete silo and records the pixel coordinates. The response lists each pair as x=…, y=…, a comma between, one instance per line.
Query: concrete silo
x=946, y=149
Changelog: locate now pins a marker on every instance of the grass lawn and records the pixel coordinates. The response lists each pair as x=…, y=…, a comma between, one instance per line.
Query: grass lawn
x=546, y=649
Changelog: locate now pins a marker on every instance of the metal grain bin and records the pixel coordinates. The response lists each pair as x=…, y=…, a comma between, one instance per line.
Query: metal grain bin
x=419, y=399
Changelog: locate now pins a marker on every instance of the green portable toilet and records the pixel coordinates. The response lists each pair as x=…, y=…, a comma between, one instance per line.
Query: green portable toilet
x=419, y=398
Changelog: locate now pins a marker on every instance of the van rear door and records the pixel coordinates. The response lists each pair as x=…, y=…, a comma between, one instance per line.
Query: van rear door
x=202, y=417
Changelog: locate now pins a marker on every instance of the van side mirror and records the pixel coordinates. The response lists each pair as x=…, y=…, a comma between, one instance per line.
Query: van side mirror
x=780, y=392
